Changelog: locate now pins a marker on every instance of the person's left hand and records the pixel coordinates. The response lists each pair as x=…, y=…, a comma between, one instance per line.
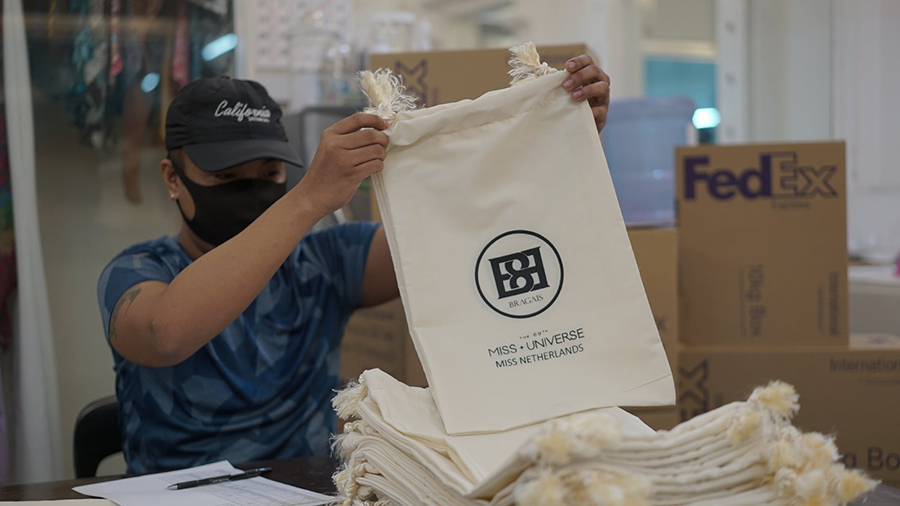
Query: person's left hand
x=589, y=82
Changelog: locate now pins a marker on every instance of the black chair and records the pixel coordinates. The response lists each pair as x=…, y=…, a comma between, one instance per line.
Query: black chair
x=97, y=435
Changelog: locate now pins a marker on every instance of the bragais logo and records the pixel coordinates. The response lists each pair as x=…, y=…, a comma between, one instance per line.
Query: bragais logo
x=779, y=176
x=519, y=274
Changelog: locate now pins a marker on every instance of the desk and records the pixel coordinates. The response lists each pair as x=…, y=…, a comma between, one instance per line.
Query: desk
x=310, y=473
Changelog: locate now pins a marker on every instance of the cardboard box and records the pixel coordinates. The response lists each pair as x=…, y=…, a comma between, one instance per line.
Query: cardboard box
x=658, y=418
x=763, y=244
x=656, y=253
x=378, y=337
x=374, y=337
x=852, y=392
x=440, y=77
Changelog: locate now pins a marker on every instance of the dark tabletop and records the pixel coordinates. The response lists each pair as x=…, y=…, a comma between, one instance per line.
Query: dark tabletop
x=309, y=473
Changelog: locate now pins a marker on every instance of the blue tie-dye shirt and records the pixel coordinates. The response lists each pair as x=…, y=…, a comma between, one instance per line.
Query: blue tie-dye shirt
x=262, y=388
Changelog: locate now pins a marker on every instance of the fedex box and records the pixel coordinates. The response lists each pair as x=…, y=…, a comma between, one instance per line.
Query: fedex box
x=763, y=244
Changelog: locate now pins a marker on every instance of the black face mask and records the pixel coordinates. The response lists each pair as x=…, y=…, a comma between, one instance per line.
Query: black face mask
x=223, y=211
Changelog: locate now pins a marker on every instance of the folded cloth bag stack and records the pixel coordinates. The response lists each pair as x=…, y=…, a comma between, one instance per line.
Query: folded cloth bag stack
x=517, y=277
x=396, y=452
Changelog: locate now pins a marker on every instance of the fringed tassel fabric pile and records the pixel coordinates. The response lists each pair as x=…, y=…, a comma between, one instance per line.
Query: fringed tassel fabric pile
x=744, y=453
x=396, y=450
x=385, y=93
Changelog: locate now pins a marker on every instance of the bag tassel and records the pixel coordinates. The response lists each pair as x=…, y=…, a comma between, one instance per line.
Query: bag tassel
x=386, y=94
x=526, y=64
x=741, y=454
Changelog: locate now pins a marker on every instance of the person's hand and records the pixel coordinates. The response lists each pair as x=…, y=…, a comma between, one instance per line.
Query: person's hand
x=589, y=82
x=350, y=151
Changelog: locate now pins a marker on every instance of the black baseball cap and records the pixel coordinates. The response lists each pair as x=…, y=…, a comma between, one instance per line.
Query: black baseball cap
x=222, y=122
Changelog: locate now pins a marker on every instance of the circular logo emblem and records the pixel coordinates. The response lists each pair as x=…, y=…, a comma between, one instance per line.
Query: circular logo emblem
x=519, y=274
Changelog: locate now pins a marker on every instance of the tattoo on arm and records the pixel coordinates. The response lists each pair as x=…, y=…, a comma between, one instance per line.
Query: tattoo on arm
x=122, y=305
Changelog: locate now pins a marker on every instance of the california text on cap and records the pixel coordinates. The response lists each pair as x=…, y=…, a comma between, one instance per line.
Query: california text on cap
x=222, y=122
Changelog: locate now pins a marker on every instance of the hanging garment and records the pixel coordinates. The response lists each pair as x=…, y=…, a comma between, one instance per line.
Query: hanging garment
x=112, y=51
x=7, y=235
x=4, y=436
x=7, y=240
x=516, y=273
x=395, y=452
x=115, y=43
x=180, y=67
x=209, y=20
x=217, y=7
x=91, y=60
x=51, y=19
x=196, y=44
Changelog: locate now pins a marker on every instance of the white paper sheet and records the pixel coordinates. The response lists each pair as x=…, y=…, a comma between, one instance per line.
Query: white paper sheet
x=61, y=502
x=151, y=490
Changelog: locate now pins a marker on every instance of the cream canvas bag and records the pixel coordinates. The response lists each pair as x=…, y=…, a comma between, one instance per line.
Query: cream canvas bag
x=518, y=280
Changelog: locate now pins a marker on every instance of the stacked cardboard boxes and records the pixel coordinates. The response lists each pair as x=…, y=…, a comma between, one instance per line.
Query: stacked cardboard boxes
x=852, y=392
x=656, y=253
x=763, y=284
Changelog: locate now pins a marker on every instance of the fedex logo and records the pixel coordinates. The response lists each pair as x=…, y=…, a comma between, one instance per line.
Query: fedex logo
x=778, y=176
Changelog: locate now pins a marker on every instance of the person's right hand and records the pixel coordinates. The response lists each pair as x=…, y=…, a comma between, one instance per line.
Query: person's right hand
x=347, y=155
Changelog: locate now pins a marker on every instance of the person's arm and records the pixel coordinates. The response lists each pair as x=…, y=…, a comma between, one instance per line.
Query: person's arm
x=380, y=280
x=157, y=324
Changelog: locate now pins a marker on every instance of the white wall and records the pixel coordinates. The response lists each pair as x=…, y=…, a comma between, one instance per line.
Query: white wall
x=681, y=20
x=867, y=115
x=790, y=70
x=774, y=70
